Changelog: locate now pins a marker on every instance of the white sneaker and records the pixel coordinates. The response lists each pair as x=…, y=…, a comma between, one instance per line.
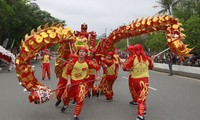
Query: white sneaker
x=140, y=118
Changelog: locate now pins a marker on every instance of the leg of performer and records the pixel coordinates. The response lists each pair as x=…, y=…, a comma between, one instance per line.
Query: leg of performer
x=102, y=84
x=61, y=84
x=90, y=84
x=132, y=91
x=95, y=90
x=43, y=71
x=91, y=88
x=78, y=108
x=48, y=71
x=110, y=79
x=68, y=94
x=79, y=97
x=142, y=91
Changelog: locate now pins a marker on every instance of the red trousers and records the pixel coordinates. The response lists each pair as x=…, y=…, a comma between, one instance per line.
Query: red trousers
x=46, y=69
x=107, y=86
x=139, y=91
x=77, y=91
x=90, y=84
x=101, y=85
x=61, y=87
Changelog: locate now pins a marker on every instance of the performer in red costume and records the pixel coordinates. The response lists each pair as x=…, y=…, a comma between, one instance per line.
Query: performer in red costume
x=91, y=36
x=77, y=72
x=94, y=71
x=117, y=61
x=110, y=76
x=101, y=89
x=63, y=80
x=45, y=64
x=138, y=64
x=131, y=53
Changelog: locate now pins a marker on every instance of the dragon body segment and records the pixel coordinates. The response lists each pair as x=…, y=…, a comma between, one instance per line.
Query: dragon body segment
x=169, y=24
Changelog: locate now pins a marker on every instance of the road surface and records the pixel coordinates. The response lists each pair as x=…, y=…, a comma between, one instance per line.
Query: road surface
x=170, y=98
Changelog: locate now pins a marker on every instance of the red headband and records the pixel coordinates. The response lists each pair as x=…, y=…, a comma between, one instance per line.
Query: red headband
x=93, y=51
x=111, y=54
x=83, y=48
x=139, y=51
x=131, y=49
x=72, y=56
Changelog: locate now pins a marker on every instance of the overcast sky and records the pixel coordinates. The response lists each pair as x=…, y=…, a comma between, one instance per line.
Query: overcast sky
x=98, y=14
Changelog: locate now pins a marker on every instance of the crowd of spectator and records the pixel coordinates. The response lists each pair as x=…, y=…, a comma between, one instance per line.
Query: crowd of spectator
x=193, y=60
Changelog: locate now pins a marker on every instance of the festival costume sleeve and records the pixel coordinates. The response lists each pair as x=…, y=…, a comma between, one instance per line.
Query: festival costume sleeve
x=65, y=66
x=69, y=69
x=151, y=65
x=92, y=64
x=97, y=66
x=103, y=64
x=108, y=62
x=94, y=68
x=98, y=59
x=70, y=66
x=128, y=64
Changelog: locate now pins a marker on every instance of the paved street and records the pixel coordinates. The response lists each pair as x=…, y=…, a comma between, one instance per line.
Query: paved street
x=170, y=98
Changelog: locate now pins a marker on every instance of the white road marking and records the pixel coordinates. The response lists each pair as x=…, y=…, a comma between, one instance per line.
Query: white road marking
x=152, y=88
x=149, y=86
x=124, y=77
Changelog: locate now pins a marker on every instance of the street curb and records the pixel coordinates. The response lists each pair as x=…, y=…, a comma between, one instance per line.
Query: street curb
x=181, y=73
x=187, y=71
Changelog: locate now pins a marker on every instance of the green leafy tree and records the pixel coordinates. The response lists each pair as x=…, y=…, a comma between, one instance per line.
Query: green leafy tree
x=156, y=42
x=186, y=8
x=19, y=17
x=54, y=47
x=192, y=31
x=5, y=13
x=122, y=44
x=167, y=6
